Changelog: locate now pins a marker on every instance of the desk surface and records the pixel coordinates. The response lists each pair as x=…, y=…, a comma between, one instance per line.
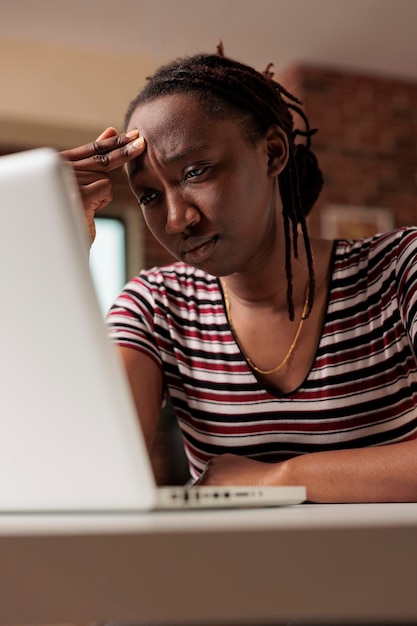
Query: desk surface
x=328, y=563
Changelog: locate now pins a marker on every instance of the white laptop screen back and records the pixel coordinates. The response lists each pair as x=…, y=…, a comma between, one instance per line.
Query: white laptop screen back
x=69, y=437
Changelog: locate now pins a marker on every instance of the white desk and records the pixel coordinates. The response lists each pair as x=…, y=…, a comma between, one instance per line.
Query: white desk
x=328, y=563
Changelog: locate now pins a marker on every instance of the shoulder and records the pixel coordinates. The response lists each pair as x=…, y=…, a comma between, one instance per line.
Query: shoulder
x=159, y=292
x=175, y=280
x=371, y=250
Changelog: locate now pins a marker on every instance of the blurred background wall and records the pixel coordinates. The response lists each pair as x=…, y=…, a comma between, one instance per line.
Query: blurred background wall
x=61, y=95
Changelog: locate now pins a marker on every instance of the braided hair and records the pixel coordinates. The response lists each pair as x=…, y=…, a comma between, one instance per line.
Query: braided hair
x=233, y=89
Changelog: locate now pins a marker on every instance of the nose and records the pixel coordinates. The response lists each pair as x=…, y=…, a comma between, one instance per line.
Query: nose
x=181, y=214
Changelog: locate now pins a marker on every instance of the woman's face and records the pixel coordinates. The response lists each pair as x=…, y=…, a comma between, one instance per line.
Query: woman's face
x=204, y=189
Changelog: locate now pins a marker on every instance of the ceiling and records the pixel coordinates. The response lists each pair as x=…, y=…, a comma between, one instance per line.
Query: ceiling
x=377, y=36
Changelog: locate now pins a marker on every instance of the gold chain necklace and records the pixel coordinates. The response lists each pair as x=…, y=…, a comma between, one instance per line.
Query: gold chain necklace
x=292, y=346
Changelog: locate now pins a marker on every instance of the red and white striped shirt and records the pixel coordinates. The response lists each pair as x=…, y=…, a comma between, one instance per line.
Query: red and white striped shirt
x=361, y=389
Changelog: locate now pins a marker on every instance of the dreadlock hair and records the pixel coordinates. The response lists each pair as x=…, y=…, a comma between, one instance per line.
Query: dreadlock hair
x=229, y=88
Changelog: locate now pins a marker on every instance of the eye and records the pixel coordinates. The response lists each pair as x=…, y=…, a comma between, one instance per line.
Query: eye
x=197, y=171
x=146, y=199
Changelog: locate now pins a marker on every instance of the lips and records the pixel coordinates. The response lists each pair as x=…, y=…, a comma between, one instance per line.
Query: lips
x=192, y=243
x=197, y=249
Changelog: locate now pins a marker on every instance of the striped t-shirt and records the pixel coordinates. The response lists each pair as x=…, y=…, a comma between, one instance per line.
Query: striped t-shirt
x=361, y=389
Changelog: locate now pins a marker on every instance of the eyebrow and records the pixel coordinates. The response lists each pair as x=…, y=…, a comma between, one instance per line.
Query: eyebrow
x=137, y=165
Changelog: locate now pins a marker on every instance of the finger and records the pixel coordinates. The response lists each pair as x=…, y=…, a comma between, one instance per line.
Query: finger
x=97, y=195
x=109, y=132
x=99, y=153
x=114, y=159
x=104, y=143
x=85, y=177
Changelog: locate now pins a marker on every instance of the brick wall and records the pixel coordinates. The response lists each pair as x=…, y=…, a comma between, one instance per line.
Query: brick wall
x=367, y=140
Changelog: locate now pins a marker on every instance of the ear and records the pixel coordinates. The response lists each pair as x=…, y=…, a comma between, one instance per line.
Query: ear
x=277, y=150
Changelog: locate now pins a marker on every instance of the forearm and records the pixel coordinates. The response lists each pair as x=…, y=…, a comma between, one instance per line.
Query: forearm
x=378, y=474
x=145, y=378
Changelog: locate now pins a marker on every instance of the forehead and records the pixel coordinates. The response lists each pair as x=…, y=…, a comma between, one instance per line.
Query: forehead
x=169, y=113
x=175, y=122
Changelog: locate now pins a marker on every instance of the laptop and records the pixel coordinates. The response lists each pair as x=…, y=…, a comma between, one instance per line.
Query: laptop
x=70, y=440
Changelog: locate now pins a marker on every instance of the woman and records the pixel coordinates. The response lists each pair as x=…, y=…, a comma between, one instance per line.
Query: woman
x=288, y=360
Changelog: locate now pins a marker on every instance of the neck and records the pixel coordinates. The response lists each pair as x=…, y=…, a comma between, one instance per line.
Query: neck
x=287, y=357
x=266, y=282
